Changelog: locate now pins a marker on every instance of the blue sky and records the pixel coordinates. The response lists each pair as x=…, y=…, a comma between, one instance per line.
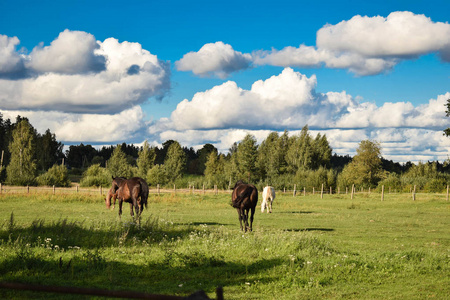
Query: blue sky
x=345, y=68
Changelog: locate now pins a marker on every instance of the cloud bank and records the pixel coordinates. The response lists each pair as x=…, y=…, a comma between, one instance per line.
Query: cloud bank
x=77, y=74
x=363, y=45
x=225, y=113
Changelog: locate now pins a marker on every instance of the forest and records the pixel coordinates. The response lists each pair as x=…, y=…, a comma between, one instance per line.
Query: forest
x=281, y=160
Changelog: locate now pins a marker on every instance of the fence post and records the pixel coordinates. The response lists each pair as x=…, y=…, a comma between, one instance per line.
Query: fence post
x=174, y=189
x=304, y=191
x=215, y=189
x=331, y=190
x=295, y=186
x=157, y=188
x=53, y=189
x=353, y=188
x=204, y=189
x=321, y=192
x=314, y=191
x=382, y=193
x=77, y=189
x=414, y=194
x=101, y=190
x=346, y=190
x=28, y=189
x=447, y=190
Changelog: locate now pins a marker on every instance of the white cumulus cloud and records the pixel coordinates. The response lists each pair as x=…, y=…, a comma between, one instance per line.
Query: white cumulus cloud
x=366, y=45
x=216, y=59
x=77, y=74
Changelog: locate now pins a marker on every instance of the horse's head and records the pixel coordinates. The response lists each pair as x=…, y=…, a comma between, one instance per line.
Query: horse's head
x=108, y=198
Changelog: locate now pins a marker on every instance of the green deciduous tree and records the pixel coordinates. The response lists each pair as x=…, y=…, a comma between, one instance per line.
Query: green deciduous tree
x=246, y=156
x=118, y=164
x=146, y=159
x=56, y=175
x=447, y=113
x=175, y=162
x=365, y=168
x=157, y=175
x=215, y=170
x=22, y=167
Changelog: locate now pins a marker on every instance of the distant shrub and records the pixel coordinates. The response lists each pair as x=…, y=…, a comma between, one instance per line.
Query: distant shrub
x=96, y=176
x=56, y=175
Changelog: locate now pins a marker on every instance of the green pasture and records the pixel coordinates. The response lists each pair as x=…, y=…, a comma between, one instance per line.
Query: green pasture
x=308, y=248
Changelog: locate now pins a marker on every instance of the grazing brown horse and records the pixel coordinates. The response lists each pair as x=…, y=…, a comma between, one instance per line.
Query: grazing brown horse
x=133, y=190
x=244, y=198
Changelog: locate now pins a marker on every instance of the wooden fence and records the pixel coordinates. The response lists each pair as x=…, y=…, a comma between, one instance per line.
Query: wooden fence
x=191, y=189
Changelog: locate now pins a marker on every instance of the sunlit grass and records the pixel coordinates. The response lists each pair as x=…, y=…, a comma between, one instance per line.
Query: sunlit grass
x=335, y=247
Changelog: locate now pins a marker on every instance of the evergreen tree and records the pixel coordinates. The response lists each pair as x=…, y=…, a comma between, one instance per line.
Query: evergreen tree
x=118, y=164
x=146, y=159
x=175, y=162
x=22, y=167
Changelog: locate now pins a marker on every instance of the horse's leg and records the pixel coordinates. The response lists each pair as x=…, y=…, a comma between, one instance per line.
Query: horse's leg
x=251, y=218
x=114, y=204
x=270, y=206
x=263, y=205
x=131, y=209
x=245, y=217
x=120, y=207
x=240, y=217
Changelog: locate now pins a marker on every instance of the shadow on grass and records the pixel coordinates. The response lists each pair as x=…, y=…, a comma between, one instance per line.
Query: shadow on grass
x=203, y=223
x=310, y=229
x=295, y=212
x=177, y=274
x=71, y=234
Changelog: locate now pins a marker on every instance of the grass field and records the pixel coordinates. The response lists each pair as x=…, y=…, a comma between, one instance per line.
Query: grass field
x=308, y=248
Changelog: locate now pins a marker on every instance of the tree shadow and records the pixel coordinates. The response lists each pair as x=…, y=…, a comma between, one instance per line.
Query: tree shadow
x=75, y=234
x=295, y=212
x=310, y=229
x=178, y=274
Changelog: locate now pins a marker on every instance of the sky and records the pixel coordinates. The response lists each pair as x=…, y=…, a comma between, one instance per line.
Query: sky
x=108, y=72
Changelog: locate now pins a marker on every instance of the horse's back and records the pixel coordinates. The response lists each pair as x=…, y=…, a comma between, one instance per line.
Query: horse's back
x=269, y=193
x=243, y=192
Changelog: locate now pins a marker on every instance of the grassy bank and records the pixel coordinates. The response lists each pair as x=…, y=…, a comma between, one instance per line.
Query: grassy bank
x=307, y=248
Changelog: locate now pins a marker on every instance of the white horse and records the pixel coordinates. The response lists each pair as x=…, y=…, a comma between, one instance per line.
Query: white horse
x=268, y=196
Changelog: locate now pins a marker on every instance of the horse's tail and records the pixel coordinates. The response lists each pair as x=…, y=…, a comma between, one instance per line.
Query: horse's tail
x=144, y=192
x=236, y=203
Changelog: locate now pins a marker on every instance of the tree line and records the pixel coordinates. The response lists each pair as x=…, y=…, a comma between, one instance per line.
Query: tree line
x=281, y=160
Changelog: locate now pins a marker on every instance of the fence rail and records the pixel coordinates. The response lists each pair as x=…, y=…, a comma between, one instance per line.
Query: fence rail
x=352, y=191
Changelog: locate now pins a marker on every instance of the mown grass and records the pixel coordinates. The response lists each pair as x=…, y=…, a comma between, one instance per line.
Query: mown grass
x=308, y=248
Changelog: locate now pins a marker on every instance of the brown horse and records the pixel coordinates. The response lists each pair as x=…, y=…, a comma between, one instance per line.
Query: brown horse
x=134, y=191
x=112, y=193
x=244, y=198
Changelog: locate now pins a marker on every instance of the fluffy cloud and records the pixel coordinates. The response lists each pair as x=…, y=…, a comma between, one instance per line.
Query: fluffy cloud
x=11, y=63
x=73, y=52
x=366, y=45
x=401, y=34
x=77, y=74
x=289, y=100
x=91, y=128
x=216, y=59
x=225, y=113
